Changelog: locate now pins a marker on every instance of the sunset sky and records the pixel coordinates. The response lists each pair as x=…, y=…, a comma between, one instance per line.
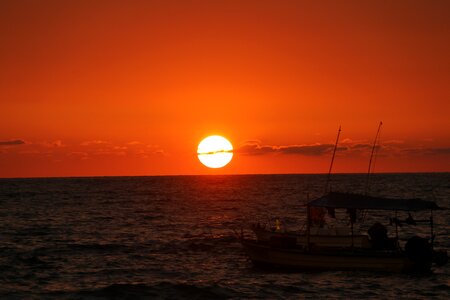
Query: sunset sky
x=102, y=88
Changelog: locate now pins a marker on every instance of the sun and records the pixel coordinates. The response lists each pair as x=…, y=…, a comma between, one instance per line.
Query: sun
x=215, y=151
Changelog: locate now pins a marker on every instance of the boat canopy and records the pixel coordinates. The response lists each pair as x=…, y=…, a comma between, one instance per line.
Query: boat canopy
x=358, y=201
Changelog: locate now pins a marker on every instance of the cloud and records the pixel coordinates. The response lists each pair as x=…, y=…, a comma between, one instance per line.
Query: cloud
x=54, y=144
x=360, y=146
x=393, y=142
x=12, y=143
x=120, y=148
x=425, y=151
x=95, y=142
x=214, y=152
x=440, y=151
x=317, y=149
x=110, y=148
x=255, y=148
x=349, y=147
x=78, y=155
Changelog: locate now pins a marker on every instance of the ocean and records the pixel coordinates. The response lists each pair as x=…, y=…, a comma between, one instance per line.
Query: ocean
x=173, y=237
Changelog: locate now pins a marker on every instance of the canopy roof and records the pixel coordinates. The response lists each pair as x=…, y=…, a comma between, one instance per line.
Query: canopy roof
x=358, y=201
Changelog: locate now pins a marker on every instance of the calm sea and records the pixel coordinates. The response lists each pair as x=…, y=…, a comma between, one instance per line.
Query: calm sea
x=173, y=237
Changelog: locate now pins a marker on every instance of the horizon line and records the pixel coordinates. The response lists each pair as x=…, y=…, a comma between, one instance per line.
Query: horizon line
x=228, y=174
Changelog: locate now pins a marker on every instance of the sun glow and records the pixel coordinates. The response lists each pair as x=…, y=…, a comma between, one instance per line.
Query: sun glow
x=215, y=151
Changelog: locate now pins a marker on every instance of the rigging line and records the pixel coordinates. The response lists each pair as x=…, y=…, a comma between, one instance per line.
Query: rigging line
x=375, y=157
x=332, y=160
x=371, y=156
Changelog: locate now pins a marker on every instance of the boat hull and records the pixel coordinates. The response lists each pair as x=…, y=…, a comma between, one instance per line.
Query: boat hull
x=300, y=259
x=325, y=240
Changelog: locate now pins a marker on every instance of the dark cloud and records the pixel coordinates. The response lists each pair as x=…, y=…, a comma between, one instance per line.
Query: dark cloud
x=390, y=148
x=12, y=143
x=361, y=146
x=350, y=148
x=426, y=151
x=365, y=147
x=214, y=152
x=254, y=148
x=318, y=149
x=440, y=150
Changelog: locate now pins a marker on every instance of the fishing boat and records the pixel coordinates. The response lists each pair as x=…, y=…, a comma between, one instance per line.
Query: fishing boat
x=320, y=234
x=320, y=248
x=325, y=236
x=380, y=253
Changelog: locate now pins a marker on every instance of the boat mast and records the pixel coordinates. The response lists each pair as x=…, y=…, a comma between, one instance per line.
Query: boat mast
x=371, y=156
x=332, y=160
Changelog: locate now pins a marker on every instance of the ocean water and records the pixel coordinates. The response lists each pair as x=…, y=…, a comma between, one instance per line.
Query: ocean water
x=174, y=237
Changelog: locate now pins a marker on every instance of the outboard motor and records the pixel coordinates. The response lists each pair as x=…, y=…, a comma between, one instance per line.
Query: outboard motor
x=420, y=251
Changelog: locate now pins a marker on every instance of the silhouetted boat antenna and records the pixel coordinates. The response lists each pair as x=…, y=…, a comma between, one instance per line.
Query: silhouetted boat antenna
x=371, y=157
x=332, y=160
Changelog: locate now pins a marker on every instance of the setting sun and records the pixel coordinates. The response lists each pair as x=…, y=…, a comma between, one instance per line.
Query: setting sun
x=215, y=151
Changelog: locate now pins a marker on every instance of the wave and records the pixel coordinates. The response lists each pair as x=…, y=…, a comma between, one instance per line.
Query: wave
x=162, y=290
x=199, y=244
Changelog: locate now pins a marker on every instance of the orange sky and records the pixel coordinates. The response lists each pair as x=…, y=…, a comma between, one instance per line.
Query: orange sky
x=131, y=87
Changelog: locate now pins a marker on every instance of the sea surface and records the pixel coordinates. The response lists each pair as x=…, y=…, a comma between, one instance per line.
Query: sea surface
x=173, y=237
